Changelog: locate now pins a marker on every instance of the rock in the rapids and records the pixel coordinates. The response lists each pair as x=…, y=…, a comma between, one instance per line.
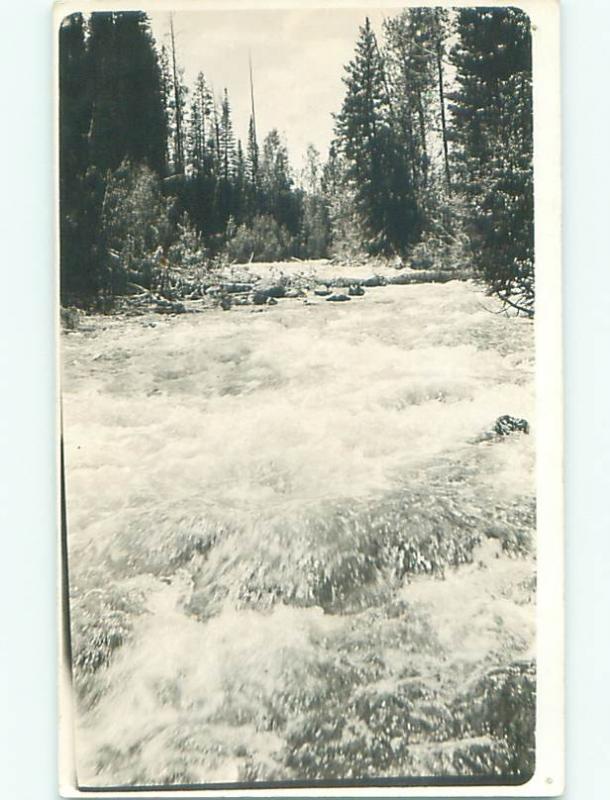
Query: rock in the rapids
x=355, y=291
x=322, y=292
x=506, y=425
x=271, y=301
x=374, y=280
x=272, y=289
x=264, y=291
x=337, y=297
x=293, y=293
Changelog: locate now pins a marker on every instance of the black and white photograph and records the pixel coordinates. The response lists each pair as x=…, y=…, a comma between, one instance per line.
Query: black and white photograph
x=310, y=432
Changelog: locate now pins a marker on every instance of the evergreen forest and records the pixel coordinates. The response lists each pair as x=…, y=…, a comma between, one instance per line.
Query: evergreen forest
x=430, y=163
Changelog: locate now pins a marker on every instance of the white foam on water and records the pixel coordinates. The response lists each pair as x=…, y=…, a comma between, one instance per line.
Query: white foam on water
x=247, y=413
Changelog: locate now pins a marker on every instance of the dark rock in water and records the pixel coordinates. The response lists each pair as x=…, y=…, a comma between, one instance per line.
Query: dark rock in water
x=272, y=289
x=271, y=301
x=374, y=280
x=262, y=292
x=258, y=298
x=506, y=425
x=225, y=303
x=337, y=298
x=321, y=292
x=355, y=291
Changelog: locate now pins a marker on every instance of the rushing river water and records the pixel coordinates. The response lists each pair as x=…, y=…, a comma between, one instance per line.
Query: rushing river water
x=295, y=551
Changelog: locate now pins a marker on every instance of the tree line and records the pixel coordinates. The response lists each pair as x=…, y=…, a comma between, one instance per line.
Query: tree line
x=431, y=159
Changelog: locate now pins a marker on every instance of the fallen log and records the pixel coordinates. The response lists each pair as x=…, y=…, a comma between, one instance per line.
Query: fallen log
x=159, y=304
x=423, y=276
x=343, y=282
x=234, y=288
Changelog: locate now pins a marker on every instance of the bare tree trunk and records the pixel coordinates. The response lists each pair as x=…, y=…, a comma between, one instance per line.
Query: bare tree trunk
x=217, y=137
x=252, y=111
x=179, y=154
x=441, y=94
x=422, y=128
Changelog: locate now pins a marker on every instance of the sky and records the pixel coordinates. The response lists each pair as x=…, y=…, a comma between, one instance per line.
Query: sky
x=297, y=59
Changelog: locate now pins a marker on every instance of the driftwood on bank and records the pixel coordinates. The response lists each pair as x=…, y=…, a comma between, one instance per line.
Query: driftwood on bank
x=152, y=301
x=427, y=276
x=404, y=278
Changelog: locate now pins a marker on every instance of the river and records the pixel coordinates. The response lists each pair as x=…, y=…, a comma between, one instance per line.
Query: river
x=296, y=551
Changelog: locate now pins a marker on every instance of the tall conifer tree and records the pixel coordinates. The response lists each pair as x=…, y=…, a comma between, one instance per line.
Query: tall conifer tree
x=198, y=126
x=227, y=140
x=128, y=115
x=377, y=165
x=492, y=112
x=75, y=102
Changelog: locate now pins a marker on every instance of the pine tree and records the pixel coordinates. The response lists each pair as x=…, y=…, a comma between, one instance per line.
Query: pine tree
x=106, y=135
x=377, y=165
x=200, y=112
x=144, y=117
x=111, y=108
x=174, y=101
x=275, y=167
x=415, y=54
x=74, y=119
x=214, y=144
x=128, y=118
x=492, y=129
x=315, y=223
x=408, y=63
x=252, y=154
x=278, y=198
x=74, y=99
x=253, y=186
x=346, y=233
x=240, y=170
x=226, y=140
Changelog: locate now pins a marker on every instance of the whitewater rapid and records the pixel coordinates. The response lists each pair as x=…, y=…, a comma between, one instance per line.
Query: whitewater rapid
x=232, y=479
